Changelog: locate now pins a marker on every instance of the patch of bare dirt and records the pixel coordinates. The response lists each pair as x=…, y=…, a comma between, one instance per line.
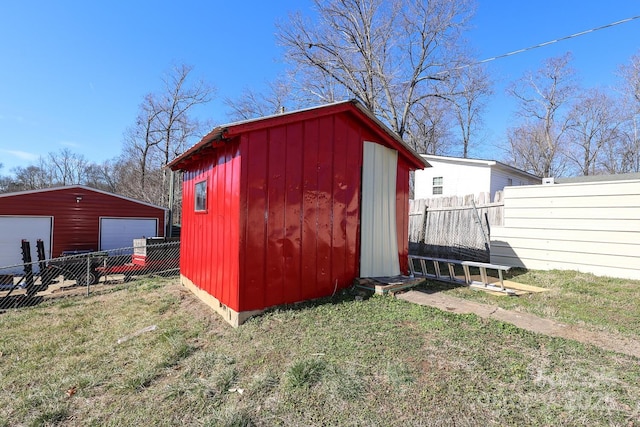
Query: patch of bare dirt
x=607, y=341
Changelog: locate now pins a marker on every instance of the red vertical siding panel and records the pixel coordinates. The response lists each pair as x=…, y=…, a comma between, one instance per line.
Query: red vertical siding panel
x=402, y=214
x=210, y=239
x=204, y=228
x=325, y=206
x=195, y=225
x=354, y=186
x=255, y=157
x=274, y=280
x=205, y=240
x=226, y=224
x=200, y=275
x=215, y=216
x=232, y=238
x=186, y=223
x=225, y=164
x=208, y=243
x=208, y=227
x=204, y=250
x=245, y=287
x=310, y=209
x=238, y=219
x=293, y=213
x=340, y=196
x=195, y=222
x=186, y=234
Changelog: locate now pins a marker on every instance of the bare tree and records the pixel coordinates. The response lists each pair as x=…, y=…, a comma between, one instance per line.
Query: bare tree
x=611, y=159
x=67, y=167
x=128, y=175
x=468, y=93
x=528, y=150
x=543, y=99
x=593, y=126
x=103, y=176
x=630, y=128
x=283, y=95
x=392, y=55
x=56, y=168
x=163, y=130
x=429, y=128
x=4, y=181
x=251, y=104
x=141, y=143
x=174, y=106
x=28, y=178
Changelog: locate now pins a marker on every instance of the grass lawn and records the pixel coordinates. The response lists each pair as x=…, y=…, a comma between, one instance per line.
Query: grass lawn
x=376, y=362
x=596, y=303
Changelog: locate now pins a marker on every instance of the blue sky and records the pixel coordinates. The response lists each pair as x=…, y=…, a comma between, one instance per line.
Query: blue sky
x=72, y=73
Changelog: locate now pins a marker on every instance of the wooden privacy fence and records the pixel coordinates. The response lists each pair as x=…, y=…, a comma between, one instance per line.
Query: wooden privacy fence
x=454, y=227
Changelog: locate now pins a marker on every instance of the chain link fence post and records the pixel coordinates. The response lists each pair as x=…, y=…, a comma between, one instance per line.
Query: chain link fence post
x=88, y=276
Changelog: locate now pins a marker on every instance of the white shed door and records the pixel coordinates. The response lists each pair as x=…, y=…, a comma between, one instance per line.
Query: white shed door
x=116, y=233
x=13, y=229
x=378, y=228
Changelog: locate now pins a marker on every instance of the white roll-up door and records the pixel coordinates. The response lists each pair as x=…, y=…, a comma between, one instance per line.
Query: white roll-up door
x=118, y=233
x=13, y=229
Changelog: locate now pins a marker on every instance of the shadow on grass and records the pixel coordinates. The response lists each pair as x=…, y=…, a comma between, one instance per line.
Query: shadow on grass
x=346, y=295
x=19, y=301
x=353, y=293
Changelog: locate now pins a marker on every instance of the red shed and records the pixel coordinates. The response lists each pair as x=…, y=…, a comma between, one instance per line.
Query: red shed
x=293, y=207
x=73, y=218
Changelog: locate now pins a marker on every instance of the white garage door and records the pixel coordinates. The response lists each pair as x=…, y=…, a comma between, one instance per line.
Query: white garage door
x=118, y=233
x=13, y=229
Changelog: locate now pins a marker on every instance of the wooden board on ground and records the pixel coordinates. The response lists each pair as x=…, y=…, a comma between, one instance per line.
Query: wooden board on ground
x=385, y=285
x=518, y=288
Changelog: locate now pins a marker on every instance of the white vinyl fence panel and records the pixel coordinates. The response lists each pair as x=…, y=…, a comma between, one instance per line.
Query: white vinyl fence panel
x=591, y=227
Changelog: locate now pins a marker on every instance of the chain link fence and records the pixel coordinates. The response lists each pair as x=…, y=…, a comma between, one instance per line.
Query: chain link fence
x=453, y=227
x=81, y=273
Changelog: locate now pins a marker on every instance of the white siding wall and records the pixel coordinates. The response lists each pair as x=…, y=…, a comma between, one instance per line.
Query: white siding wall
x=458, y=180
x=589, y=227
x=500, y=179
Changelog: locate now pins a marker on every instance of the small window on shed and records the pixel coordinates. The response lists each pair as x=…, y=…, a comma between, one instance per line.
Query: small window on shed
x=437, y=184
x=201, y=196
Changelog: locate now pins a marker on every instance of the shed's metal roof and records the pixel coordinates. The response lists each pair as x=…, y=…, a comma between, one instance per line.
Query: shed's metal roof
x=220, y=133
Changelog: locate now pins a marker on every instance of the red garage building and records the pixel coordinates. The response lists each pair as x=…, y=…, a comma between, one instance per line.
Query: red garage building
x=73, y=218
x=293, y=207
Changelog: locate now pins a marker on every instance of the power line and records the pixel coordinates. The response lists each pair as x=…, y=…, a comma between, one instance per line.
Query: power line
x=515, y=52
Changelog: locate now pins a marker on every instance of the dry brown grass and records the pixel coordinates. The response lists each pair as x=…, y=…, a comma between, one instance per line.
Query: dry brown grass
x=375, y=362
